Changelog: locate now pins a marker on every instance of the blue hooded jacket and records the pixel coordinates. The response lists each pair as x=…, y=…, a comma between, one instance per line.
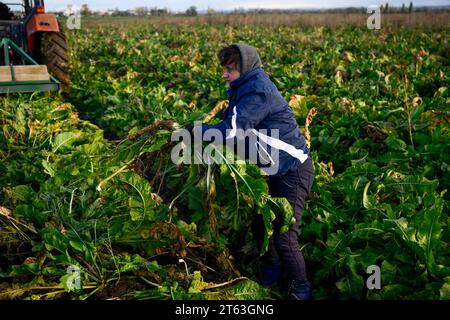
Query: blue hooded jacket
x=257, y=108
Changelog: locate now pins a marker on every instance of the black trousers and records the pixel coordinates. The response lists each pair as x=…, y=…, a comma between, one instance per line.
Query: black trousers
x=283, y=248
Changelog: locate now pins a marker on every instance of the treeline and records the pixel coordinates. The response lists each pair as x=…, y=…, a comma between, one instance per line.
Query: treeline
x=193, y=11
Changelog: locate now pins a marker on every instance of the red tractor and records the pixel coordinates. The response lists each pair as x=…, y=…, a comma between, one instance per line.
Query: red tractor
x=30, y=35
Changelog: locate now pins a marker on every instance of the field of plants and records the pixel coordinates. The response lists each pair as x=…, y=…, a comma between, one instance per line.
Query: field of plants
x=87, y=187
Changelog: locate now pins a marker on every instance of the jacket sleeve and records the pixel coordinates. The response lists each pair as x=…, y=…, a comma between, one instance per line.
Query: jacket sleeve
x=247, y=114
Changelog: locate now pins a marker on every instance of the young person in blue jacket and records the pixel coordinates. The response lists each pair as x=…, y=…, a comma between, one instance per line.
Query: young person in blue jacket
x=256, y=107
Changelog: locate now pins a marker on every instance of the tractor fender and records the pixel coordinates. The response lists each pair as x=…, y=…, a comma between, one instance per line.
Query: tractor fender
x=40, y=23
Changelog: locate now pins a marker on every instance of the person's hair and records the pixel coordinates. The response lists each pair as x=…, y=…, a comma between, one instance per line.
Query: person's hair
x=230, y=54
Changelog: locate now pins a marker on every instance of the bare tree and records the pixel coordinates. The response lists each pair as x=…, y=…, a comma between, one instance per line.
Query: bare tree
x=191, y=11
x=142, y=11
x=85, y=11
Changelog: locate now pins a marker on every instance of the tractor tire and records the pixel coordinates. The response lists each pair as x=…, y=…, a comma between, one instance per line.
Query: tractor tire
x=54, y=53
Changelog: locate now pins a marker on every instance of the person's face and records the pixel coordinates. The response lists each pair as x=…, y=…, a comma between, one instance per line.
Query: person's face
x=230, y=72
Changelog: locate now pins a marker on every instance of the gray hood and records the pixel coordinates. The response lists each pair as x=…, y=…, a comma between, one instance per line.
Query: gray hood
x=249, y=58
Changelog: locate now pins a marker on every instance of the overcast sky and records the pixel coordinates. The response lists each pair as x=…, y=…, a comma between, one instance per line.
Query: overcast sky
x=231, y=4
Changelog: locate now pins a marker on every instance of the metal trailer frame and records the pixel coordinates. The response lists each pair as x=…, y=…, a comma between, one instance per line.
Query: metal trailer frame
x=23, y=86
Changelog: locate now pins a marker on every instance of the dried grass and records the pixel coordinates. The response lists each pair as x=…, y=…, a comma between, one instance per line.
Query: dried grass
x=434, y=20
